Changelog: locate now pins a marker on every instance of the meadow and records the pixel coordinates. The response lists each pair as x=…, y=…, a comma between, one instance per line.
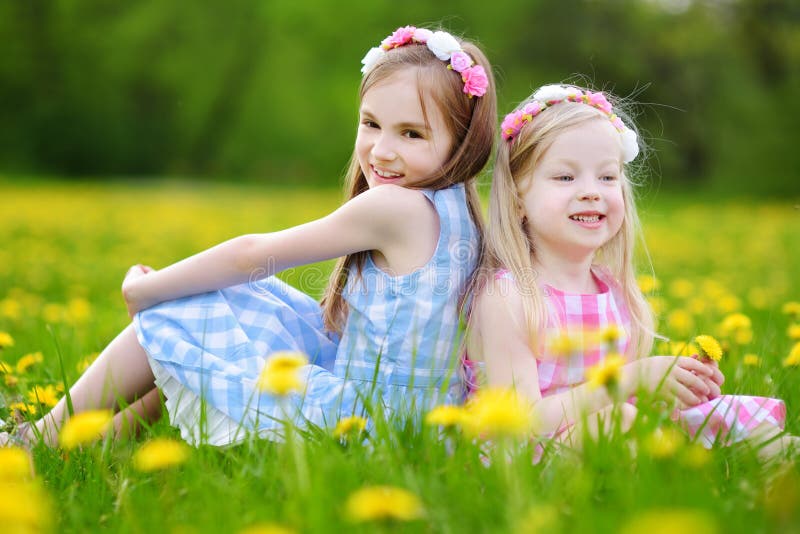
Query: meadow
x=724, y=267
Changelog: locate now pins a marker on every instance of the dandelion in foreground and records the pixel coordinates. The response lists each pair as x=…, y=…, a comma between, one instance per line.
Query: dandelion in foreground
x=793, y=359
x=709, y=347
x=446, y=416
x=607, y=372
x=792, y=309
x=15, y=464
x=669, y=521
x=85, y=427
x=664, y=442
x=25, y=507
x=793, y=332
x=160, y=453
x=610, y=335
x=563, y=345
x=349, y=427
x=498, y=412
x=281, y=374
x=28, y=361
x=383, y=503
x=6, y=340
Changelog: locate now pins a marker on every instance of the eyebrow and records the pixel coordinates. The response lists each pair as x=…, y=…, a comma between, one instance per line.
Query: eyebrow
x=402, y=126
x=608, y=161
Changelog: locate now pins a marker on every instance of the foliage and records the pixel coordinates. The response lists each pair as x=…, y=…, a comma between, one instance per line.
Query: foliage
x=268, y=90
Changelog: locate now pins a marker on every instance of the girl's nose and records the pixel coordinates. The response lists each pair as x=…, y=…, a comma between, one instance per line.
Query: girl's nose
x=589, y=195
x=382, y=149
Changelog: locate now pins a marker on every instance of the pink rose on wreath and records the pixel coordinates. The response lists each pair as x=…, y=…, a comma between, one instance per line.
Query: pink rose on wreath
x=511, y=125
x=617, y=122
x=599, y=101
x=475, y=81
x=400, y=37
x=460, y=61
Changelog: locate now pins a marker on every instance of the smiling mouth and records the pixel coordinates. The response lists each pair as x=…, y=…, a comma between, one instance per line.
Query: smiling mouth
x=385, y=174
x=593, y=218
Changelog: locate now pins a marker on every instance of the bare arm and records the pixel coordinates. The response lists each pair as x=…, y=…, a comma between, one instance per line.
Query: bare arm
x=499, y=340
x=370, y=221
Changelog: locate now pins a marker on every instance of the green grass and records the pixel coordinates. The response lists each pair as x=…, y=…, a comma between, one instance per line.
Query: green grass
x=67, y=247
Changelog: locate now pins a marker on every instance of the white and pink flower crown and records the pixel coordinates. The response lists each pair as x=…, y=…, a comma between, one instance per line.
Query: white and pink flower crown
x=550, y=95
x=444, y=46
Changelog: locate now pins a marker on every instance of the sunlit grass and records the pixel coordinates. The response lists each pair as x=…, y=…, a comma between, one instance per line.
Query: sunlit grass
x=726, y=270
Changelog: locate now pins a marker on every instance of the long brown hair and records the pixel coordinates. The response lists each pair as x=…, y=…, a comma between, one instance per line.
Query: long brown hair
x=470, y=121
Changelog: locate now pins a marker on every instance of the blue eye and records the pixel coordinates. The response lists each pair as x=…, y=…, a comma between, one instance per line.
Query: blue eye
x=563, y=178
x=608, y=178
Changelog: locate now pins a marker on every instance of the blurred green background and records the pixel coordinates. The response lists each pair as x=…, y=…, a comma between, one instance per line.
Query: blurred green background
x=266, y=90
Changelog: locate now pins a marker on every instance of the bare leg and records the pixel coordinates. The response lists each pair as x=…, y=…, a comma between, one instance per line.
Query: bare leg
x=772, y=442
x=147, y=409
x=120, y=373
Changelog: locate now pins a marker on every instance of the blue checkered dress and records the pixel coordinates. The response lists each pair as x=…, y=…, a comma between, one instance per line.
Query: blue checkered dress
x=397, y=350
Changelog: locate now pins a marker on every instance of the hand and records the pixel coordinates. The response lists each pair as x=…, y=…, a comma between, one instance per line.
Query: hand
x=684, y=379
x=717, y=378
x=129, y=284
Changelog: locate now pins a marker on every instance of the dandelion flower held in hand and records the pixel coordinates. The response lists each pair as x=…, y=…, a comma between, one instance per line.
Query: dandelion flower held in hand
x=383, y=502
x=281, y=374
x=709, y=347
x=160, y=453
x=85, y=427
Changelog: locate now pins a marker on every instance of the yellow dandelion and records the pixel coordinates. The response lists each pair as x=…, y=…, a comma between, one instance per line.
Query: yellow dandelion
x=793, y=359
x=25, y=507
x=539, y=518
x=669, y=521
x=160, y=453
x=792, y=309
x=53, y=313
x=610, y=334
x=85, y=427
x=735, y=321
x=381, y=503
x=5, y=368
x=6, y=340
x=498, y=412
x=563, y=345
x=680, y=321
x=607, y=372
x=46, y=396
x=695, y=455
x=28, y=361
x=657, y=304
x=85, y=362
x=728, y=303
x=709, y=347
x=23, y=408
x=758, y=297
x=78, y=310
x=681, y=288
x=281, y=373
x=793, y=332
x=10, y=309
x=664, y=442
x=446, y=416
x=266, y=528
x=697, y=305
x=351, y=426
x=751, y=360
x=647, y=283
x=15, y=464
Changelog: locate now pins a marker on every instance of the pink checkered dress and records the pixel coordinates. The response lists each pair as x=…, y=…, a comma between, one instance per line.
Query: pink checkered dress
x=578, y=318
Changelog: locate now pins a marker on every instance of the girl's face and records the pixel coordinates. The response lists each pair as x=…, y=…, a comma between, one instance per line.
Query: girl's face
x=393, y=145
x=573, y=198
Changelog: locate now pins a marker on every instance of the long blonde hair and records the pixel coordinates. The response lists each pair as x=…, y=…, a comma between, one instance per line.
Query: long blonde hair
x=470, y=121
x=509, y=246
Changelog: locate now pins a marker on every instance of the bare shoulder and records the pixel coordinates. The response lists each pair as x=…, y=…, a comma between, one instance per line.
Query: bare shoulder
x=395, y=211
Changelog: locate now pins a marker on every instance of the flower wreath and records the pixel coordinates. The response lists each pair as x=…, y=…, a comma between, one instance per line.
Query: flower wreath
x=444, y=46
x=550, y=95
